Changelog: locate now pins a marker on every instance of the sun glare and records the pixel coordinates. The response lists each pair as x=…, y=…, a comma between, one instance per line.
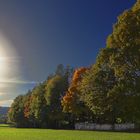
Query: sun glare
x=3, y=64
x=7, y=52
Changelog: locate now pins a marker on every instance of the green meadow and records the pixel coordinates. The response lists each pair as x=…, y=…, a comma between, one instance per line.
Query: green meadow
x=7, y=133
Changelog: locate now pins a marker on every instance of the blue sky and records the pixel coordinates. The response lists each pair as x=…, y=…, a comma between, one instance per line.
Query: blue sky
x=45, y=33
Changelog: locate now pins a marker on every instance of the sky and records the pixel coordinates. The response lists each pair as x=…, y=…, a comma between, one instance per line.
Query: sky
x=37, y=35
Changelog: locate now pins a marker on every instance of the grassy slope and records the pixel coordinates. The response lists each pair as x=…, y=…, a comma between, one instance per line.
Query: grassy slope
x=7, y=133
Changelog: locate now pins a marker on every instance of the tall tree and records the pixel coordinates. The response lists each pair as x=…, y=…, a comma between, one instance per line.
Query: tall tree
x=72, y=102
x=55, y=90
x=125, y=40
x=95, y=85
x=111, y=87
x=38, y=107
x=15, y=114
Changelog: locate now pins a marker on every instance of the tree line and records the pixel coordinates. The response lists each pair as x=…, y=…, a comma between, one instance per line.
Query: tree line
x=106, y=92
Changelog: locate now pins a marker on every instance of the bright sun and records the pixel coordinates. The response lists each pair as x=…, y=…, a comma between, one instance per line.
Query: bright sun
x=8, y=60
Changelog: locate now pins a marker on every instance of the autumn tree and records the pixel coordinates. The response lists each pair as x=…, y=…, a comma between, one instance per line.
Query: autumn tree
x=72, y=102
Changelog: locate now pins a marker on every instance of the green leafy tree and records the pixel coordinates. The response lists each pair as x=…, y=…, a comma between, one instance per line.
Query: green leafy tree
x=55, y=90
x=16, y=115
x=125, y=41
x=96, y=84
x=38, y=107
x=111, y=88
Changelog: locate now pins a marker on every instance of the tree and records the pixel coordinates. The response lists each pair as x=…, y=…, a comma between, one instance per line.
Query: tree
x=55, y=90
x=16, y=114
x=111, y=87
x=94, y=87
x=125, y=40
x=35, y=108
x=60, y=70
x=72, y=102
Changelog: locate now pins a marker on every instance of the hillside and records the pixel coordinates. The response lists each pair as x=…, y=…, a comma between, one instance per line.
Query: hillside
x=3, y=111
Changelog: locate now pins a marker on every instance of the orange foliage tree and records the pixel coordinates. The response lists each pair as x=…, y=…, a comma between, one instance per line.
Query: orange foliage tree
x=71, y=101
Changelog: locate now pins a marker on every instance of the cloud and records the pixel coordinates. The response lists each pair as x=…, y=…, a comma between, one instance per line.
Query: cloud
x=6, y=103
x=17, y=82
x=9, y=89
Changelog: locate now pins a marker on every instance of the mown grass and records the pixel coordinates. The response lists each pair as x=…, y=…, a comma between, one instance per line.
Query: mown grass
x=7, y=133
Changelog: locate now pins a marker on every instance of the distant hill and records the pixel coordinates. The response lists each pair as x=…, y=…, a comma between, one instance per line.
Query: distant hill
x=3, y=114
x=4, y=111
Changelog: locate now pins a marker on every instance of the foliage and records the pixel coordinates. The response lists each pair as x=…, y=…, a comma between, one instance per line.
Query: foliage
x=41, y=107
x=111, y=87
x=55, y=89
x=16, y=114
x=72, y=102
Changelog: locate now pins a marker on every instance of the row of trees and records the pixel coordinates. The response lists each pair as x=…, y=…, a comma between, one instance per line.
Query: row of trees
x=41, y=107
x=111, y=87
x=106, y=92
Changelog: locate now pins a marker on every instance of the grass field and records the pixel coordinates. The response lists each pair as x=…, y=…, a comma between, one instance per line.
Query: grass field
x=7, y=133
